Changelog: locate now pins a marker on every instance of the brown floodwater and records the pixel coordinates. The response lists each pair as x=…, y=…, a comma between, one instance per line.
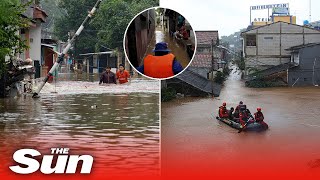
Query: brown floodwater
x=121, y=131
x=189, y=129
x=176, y=48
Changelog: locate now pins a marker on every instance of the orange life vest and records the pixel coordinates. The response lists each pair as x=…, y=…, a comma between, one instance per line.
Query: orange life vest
x=159, y=66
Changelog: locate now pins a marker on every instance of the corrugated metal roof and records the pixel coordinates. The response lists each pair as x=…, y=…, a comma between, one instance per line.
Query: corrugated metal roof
x=199, y=82
x=303, y=46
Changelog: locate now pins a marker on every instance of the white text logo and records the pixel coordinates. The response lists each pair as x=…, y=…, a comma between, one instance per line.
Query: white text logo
x=65, y=163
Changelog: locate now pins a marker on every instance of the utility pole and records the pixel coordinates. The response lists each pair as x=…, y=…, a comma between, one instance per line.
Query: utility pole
x=66, y=49
x=212, y=66
x=310, y=11
x=212, y=55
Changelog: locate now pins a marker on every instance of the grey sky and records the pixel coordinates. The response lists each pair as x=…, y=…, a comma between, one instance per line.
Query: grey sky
x=229, y=16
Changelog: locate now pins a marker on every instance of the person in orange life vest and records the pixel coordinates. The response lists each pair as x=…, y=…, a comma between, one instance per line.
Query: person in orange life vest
x=122, y=74
x=223, y=112
x=258, y=116
x=162, y=65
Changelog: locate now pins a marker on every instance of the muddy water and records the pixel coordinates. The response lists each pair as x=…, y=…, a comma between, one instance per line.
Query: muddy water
x=122, y=133
x=189, y=129
x=176, y=48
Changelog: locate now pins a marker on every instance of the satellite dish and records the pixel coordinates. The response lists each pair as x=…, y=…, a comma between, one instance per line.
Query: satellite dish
x=305, y=22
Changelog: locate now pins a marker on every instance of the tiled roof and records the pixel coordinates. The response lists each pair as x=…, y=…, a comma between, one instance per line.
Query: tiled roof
x=203, y=60
x=205, y=37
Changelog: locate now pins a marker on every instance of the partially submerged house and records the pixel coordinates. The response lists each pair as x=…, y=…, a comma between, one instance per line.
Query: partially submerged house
x=197, y=79
x=97, y=62
x=209, y=55
x=307, y=69
x=32, y=35
x=267, y=56
x=265, y=46
x=191, y=83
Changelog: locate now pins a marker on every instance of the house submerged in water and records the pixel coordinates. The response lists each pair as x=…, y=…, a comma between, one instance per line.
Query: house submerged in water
x=282, y=52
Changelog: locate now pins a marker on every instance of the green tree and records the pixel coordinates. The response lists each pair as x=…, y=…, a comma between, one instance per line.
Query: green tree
x=114, y=17
x=11, y=21
x=75, y=13
x=107, y=27
x=51, y=7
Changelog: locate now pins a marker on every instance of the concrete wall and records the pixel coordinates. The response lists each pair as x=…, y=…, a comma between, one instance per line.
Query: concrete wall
x=266, y=47
x=35, y=42
x=273, y=40
x=308, y=71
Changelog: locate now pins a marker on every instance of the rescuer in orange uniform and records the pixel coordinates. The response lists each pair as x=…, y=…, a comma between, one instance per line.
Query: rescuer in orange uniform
x=162, y=64
x=122, y=74
x=223, y=112
x=258, y=116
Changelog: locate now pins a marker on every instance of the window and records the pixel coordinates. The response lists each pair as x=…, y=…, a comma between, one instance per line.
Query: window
x=95, y=61
x=251, y=40
x=295, y=58
x=268, y=38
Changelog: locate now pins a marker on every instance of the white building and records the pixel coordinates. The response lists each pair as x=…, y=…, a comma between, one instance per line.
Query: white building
x=265, y=46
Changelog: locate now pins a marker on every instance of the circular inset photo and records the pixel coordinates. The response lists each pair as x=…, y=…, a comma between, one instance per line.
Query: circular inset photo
x=159, y=43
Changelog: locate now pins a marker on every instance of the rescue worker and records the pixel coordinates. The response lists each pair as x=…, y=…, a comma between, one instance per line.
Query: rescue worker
x=239, y=108
x=162, y=64
x=223, y=112
x=231, y=116
x=241, y=113
x=122, y=75
x=258, y=116
x=108, y=77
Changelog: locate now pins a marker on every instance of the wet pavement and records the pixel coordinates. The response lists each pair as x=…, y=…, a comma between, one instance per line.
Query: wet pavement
x=120, y=129
x=291, y=145
x=176, y=48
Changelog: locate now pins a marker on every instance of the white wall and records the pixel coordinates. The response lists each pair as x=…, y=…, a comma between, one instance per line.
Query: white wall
x=35, y=42
x=270, y=50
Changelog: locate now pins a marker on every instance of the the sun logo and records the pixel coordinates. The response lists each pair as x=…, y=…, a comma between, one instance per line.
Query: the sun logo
x=65, y=163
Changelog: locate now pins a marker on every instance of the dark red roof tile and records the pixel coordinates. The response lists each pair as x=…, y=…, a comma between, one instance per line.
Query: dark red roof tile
x=205, y=37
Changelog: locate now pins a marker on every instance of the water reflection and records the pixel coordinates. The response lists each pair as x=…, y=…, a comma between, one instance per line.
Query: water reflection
x=292, y=114
x=122, y=132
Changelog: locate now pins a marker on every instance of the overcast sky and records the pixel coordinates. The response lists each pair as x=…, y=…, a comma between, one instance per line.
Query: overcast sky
x=229, y=16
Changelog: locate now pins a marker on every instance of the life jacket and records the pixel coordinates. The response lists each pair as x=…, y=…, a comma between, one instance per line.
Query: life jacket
x=258, y=116
x=159, y=66
x=242, y=118
x=223, y=112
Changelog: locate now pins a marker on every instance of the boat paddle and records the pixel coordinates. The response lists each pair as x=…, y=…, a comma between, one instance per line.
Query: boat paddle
x=245, y=125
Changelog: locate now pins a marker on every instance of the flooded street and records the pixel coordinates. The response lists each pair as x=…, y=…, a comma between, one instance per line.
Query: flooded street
x=118, y=125
x=192, y=137
x=176, y=48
